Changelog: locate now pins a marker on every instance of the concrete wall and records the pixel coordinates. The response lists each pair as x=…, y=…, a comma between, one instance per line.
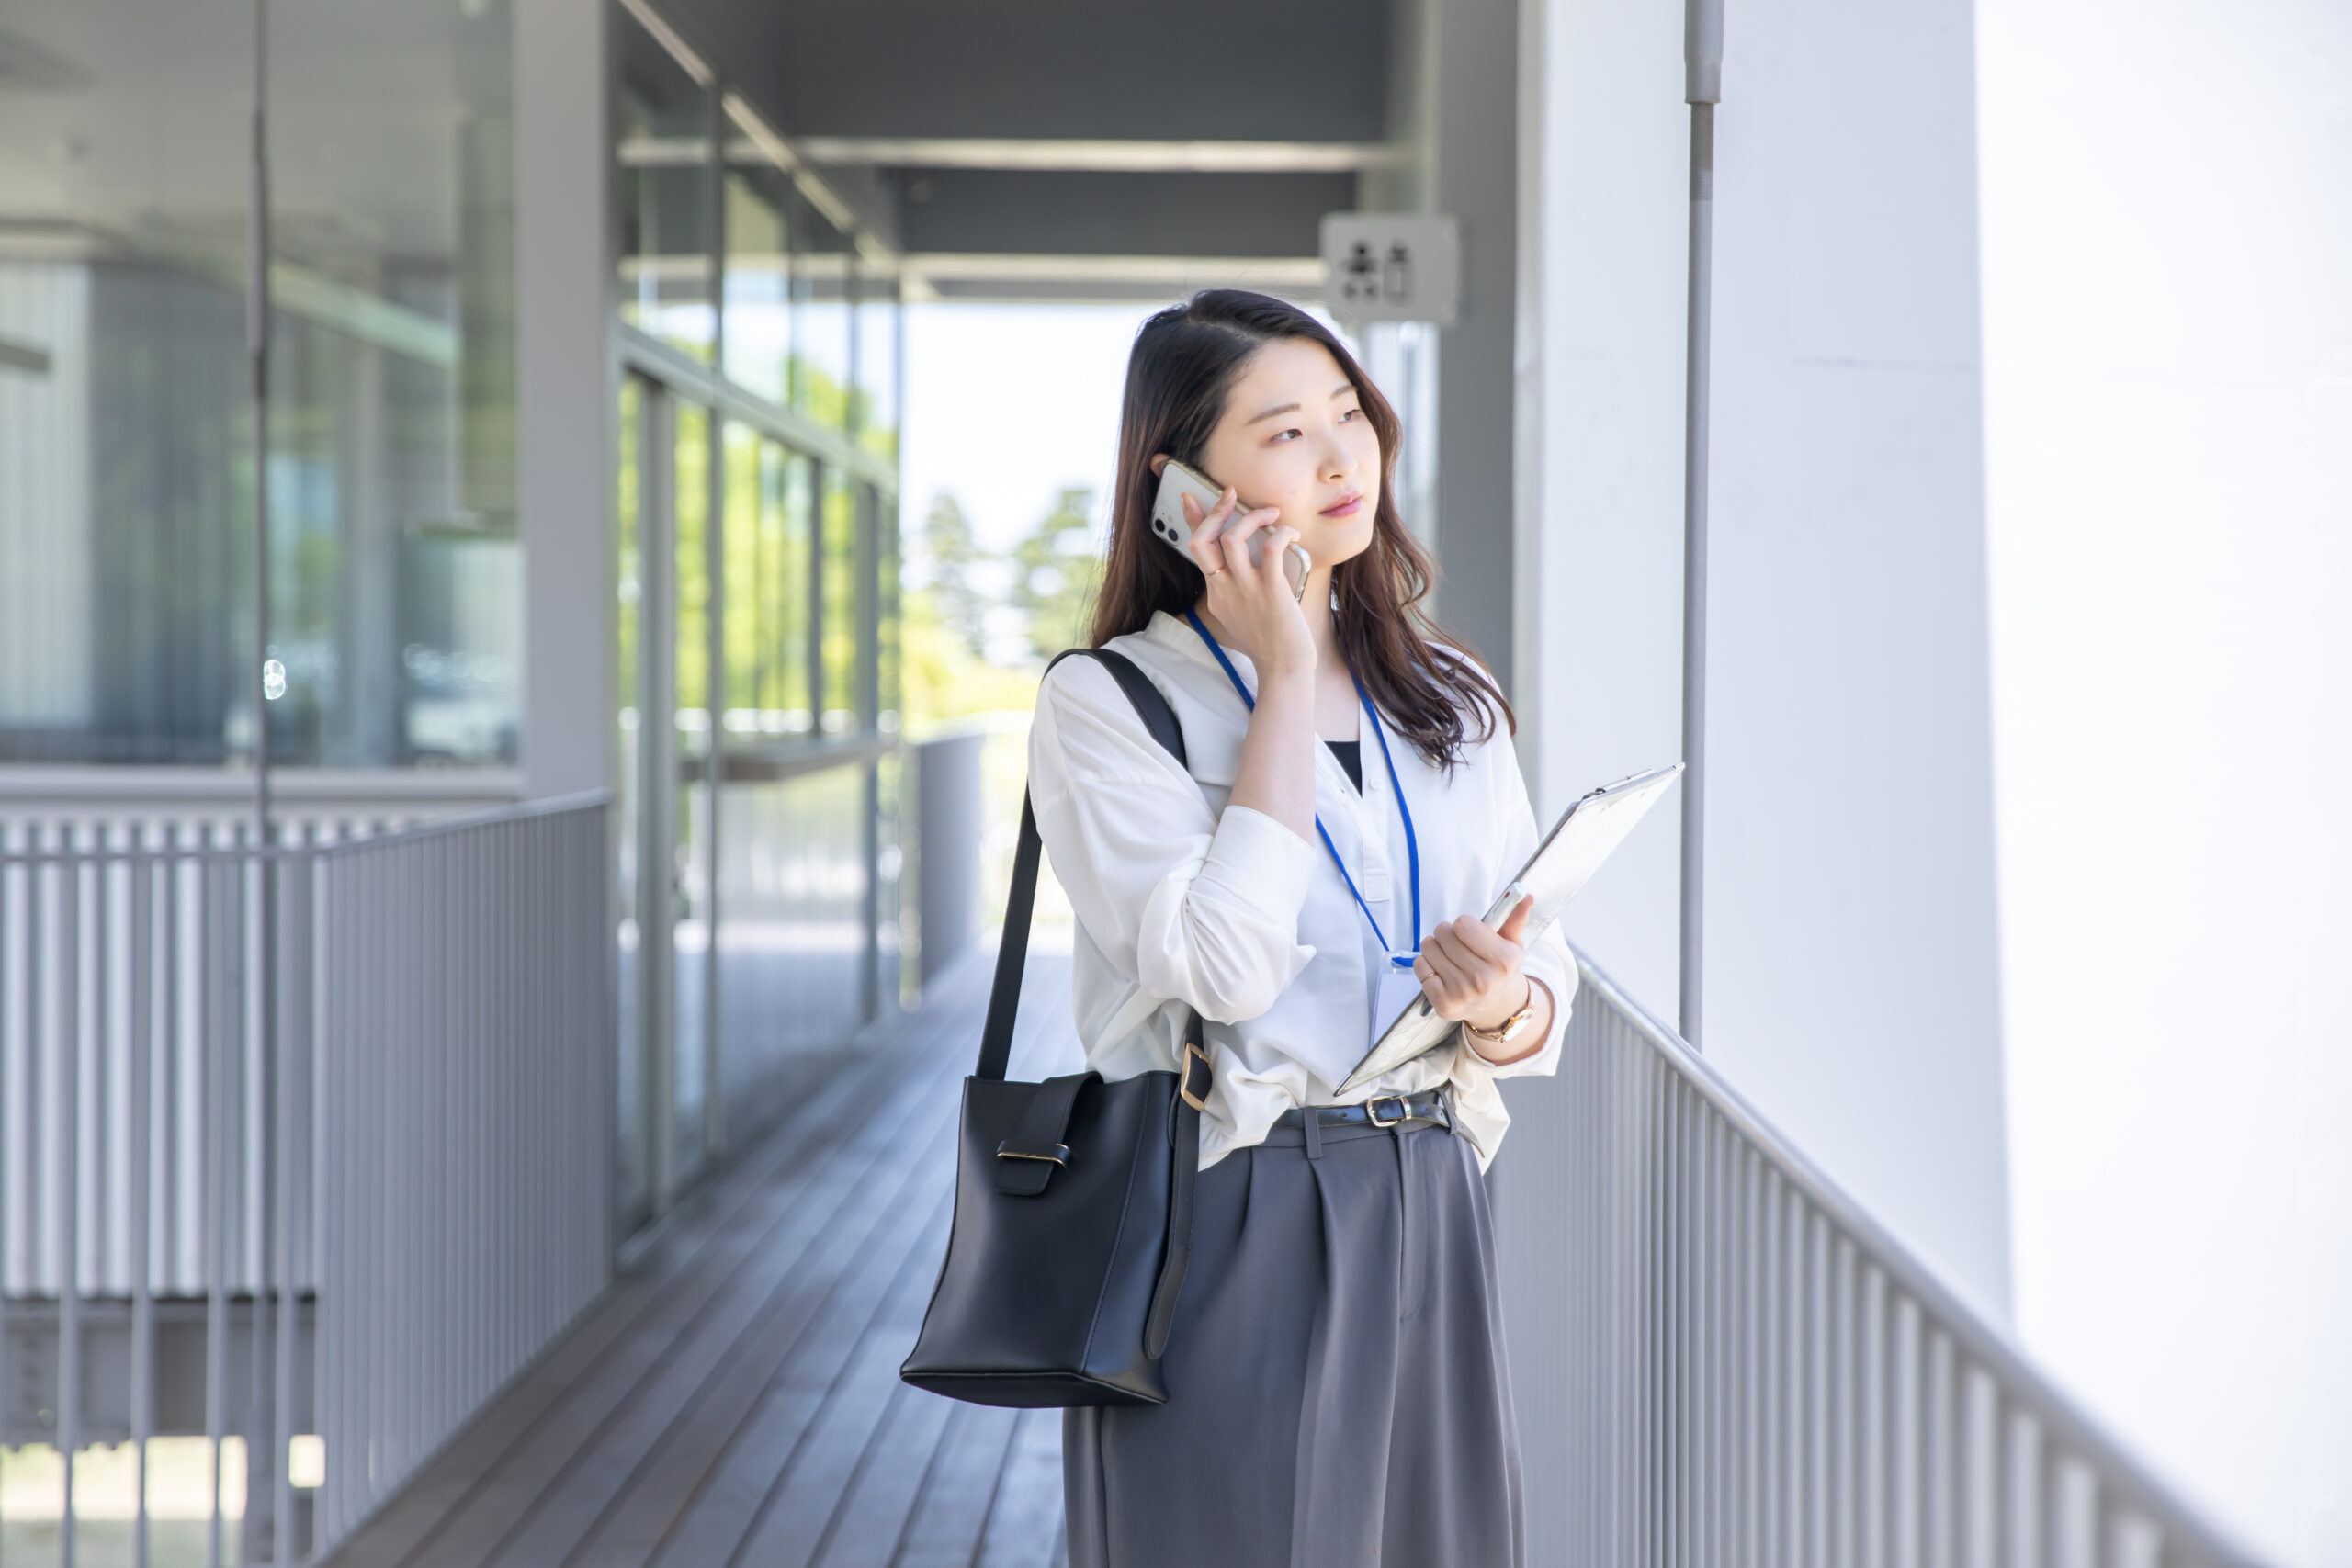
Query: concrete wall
x=2168, y=201
x=1853, y=991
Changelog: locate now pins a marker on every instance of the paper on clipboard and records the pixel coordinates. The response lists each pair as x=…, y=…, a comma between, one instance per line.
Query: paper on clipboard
x=1585, y=836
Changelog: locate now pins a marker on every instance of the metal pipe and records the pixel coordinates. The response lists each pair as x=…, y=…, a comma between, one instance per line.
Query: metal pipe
x=260, y=1461
x=1702, y=57
x=257, y=248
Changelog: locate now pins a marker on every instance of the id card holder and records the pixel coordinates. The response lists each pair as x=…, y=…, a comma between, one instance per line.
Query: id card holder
x=1399, y=986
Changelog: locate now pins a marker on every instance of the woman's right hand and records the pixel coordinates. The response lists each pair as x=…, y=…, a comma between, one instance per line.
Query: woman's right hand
x=1253, y=602
x=1253, y=605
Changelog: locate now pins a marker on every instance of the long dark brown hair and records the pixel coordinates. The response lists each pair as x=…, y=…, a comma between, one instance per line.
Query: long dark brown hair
x=1183, y=366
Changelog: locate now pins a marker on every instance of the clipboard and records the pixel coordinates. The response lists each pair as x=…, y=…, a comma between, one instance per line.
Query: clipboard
x=1587, y=834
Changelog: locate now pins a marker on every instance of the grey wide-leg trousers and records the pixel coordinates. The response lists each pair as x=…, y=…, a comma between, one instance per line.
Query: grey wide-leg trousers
x=1336, y=1391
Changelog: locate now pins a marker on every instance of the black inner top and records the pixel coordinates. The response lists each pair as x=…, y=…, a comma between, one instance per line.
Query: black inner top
x=1350, y=755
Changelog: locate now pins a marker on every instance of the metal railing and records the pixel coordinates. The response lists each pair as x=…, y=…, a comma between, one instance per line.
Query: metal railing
x=1748, y=1370
x=128, y=968
x=466, y=1196
x=377, y=1224
x=345, y=1219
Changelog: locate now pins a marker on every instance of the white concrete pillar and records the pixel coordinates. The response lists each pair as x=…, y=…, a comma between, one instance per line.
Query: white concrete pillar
x=1471, y=145
x=2167, y=217
x=566, y=394
x=1853, y=993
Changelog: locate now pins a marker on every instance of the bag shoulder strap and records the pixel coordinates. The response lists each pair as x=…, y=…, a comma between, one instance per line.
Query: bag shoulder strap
x=1012, y=947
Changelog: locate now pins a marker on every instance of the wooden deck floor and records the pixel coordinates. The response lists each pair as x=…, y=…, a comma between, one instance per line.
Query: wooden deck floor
x=735, y=1399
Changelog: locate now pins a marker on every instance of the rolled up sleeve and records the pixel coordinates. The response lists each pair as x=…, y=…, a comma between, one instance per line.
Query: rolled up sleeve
x=1199, y=906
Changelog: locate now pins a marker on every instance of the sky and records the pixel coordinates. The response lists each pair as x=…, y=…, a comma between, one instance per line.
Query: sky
x=1007, y=406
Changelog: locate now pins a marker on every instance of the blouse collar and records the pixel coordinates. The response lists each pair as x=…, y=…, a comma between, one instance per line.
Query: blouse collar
x=1173, y=631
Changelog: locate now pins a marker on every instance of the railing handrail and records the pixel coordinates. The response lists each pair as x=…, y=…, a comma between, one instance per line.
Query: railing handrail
x=1986, y=1343
x=112, y=788
x=488, y=816
x=69, y=855
x=491, y=816
x=985, y=723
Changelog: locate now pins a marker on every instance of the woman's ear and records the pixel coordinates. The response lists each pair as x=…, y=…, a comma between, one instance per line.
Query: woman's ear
x=1159, y=463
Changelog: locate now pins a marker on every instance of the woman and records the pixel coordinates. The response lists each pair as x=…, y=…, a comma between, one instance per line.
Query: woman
x=1338, y=1394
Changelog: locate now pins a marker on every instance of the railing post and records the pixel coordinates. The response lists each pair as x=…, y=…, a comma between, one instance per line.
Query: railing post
x=145, y=984
x=68, y=962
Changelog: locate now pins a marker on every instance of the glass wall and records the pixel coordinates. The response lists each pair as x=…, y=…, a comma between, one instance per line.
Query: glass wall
x=758, y=576
x=663, y=194
x=840, y=536
x=875, y=410
x=127, y=474
x=824, y=289
x=759, y=281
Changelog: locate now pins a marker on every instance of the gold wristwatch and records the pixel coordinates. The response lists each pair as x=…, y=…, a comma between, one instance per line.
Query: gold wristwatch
x=1501, y=1033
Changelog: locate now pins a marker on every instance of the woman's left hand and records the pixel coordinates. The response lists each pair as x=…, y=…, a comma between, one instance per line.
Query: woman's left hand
x=1473, y=974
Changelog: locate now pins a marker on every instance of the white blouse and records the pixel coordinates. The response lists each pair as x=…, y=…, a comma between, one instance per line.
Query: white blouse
x=1187, y=903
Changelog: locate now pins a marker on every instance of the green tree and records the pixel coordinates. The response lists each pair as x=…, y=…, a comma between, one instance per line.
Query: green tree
x=947, y=542
x=1056, y=572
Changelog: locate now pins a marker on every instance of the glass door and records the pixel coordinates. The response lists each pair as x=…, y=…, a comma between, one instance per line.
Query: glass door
x=667, y=623
x=757, y=811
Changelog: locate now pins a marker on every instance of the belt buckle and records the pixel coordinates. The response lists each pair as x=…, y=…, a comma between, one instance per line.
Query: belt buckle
x=1371, y=1110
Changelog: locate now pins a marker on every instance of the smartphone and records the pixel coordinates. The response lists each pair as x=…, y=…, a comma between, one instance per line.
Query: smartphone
x=1177, y=481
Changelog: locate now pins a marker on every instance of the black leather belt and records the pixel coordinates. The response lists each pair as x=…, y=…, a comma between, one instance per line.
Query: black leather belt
x=1380, y=1110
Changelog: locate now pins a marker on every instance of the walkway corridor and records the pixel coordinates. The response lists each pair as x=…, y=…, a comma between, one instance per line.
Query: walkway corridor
x=734, y=1399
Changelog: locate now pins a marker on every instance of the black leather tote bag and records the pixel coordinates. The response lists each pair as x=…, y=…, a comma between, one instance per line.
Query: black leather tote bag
x=1073, y=1196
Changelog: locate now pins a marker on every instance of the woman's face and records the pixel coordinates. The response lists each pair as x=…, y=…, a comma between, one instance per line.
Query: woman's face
x=1295, y=436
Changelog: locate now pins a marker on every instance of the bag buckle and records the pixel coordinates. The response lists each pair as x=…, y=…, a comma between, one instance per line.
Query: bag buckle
x=1198, y=1099
x=1371, y=1110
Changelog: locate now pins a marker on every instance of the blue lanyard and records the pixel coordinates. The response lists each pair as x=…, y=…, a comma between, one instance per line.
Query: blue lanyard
x=1412, y=845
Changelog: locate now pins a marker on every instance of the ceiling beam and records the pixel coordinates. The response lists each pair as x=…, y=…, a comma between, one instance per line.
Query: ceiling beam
x=1200, y=272
x=1105, y=213
x=1060, y=153
x=999, y=277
